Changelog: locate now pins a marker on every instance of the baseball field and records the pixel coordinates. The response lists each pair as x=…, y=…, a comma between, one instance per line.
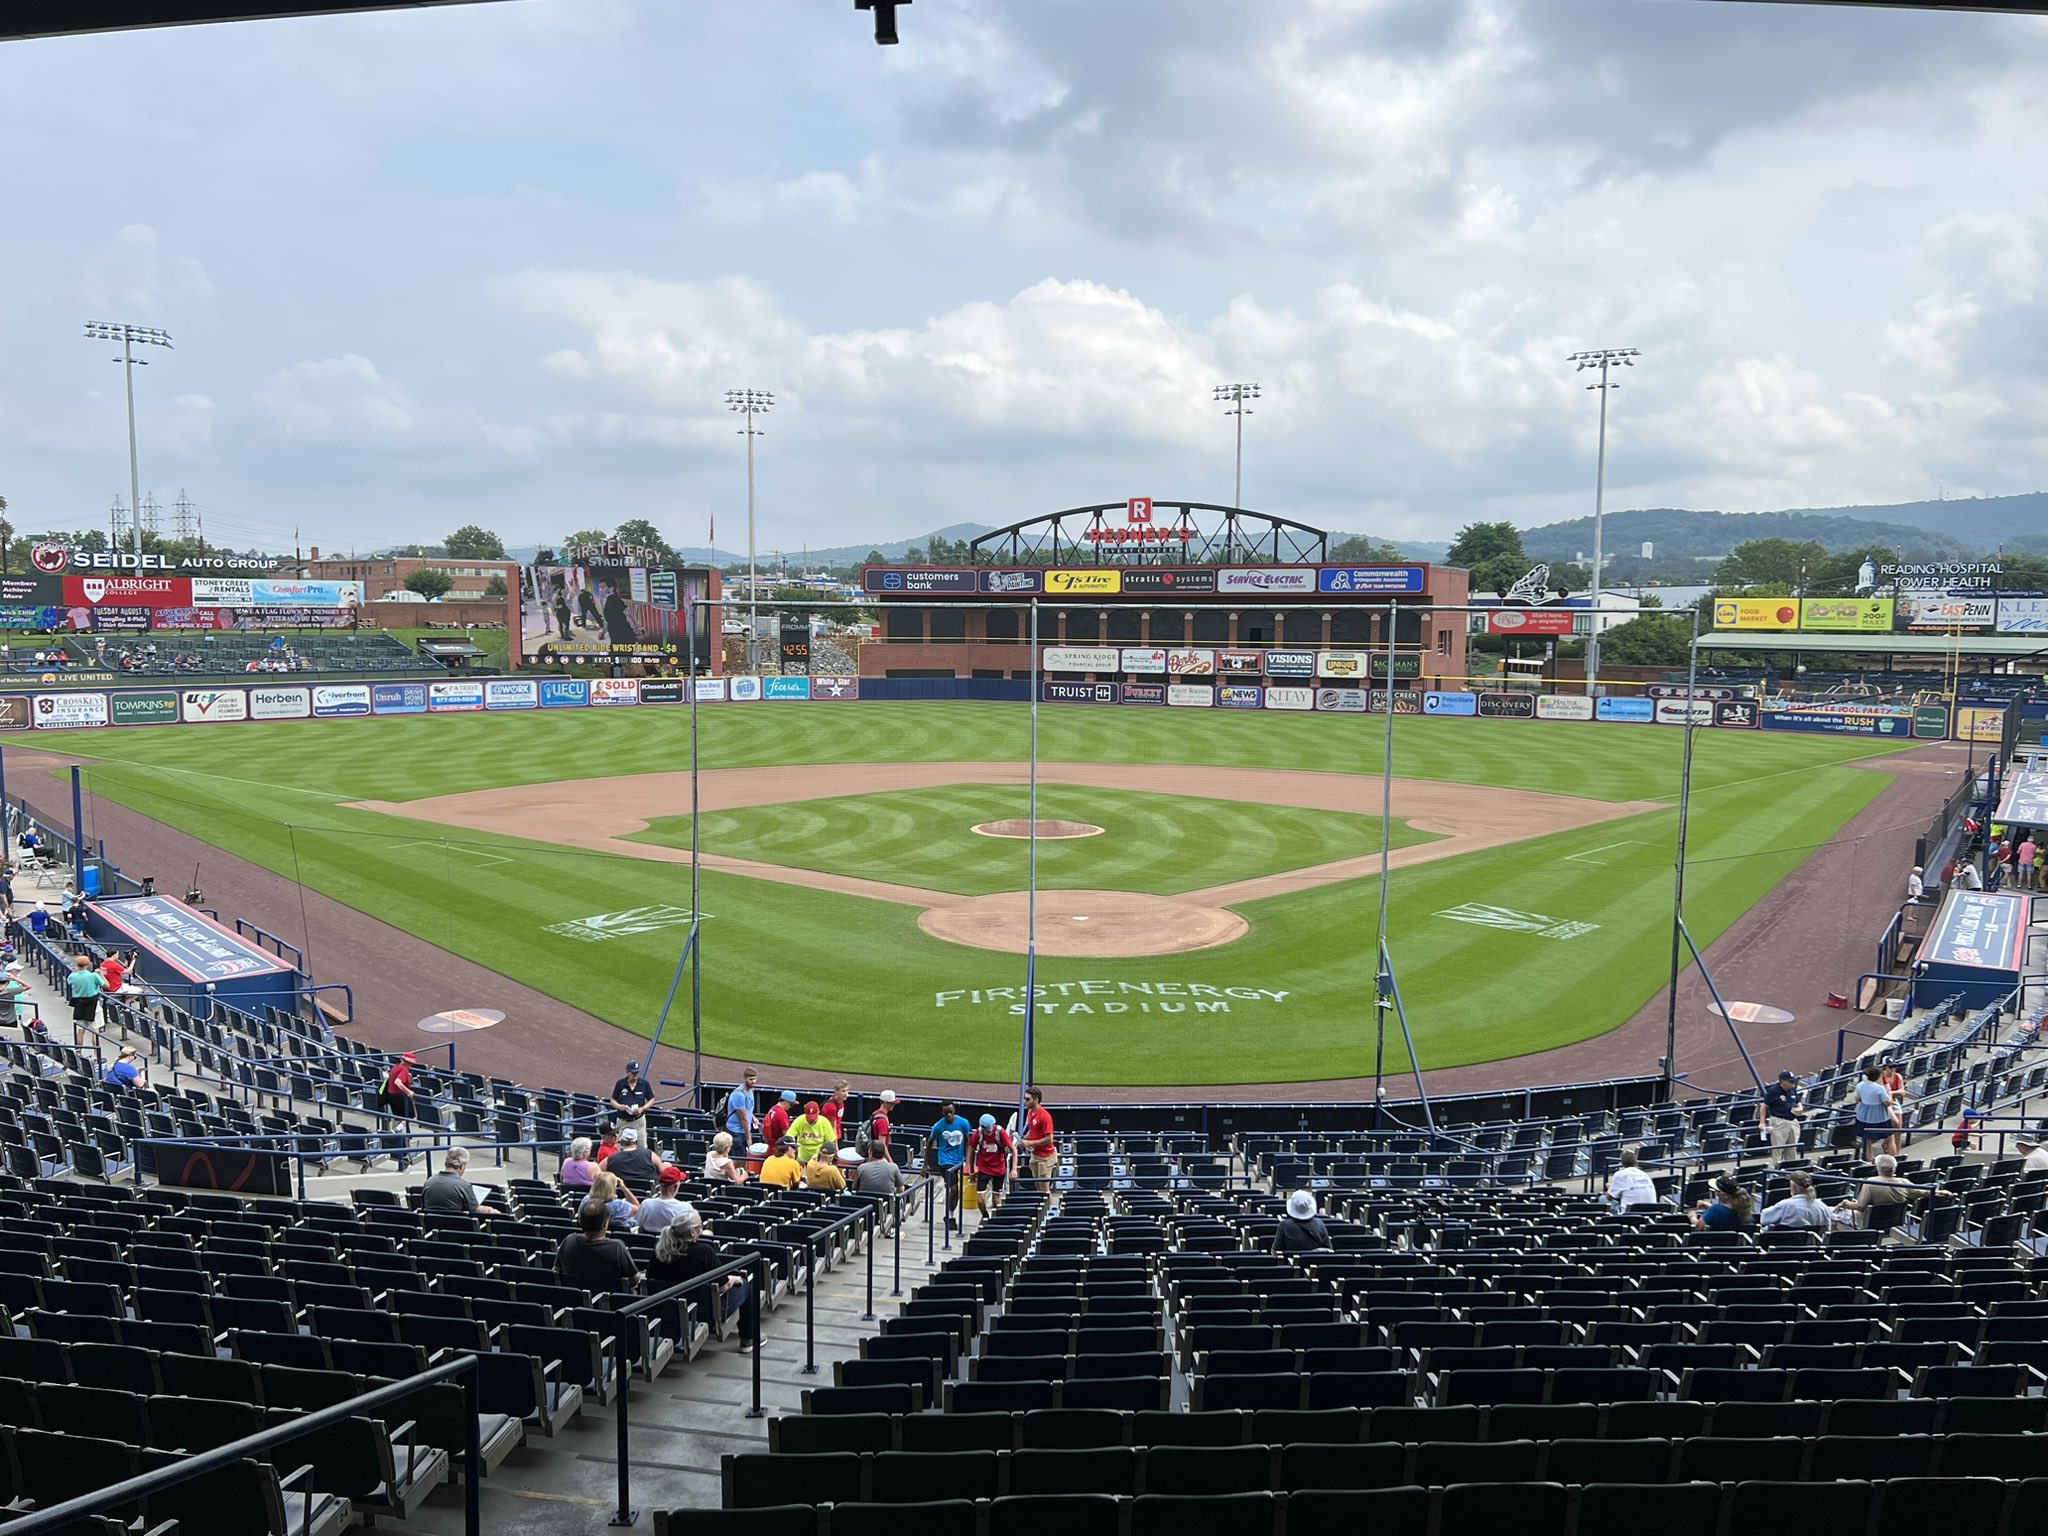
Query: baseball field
x=1207, y=915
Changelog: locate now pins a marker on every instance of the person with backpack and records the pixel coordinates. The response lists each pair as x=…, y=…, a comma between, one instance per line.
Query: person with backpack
x=989, y=1151
x=395, y=1094
x=875, y=1131
x=736, y=1111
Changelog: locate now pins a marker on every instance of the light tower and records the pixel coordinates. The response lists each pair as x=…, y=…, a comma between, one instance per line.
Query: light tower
x=1605, y=359
x=130, y=336
x=1235, y=396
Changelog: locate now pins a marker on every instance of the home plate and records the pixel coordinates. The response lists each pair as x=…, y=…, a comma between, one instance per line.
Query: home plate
x=1753, y=1013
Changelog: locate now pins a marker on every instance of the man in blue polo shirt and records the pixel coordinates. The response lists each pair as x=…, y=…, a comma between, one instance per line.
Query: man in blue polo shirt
x=630, y=1095
x=1781, y=1113
x=946, y=1154
x=739, y=1112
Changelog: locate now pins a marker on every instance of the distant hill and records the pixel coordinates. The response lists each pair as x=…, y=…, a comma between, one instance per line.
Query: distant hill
x=1681, y=534
x=836, y=554
x=1977, y=522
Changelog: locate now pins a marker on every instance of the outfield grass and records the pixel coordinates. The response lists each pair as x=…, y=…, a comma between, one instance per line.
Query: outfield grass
x=1157, y=843
x=799, y=976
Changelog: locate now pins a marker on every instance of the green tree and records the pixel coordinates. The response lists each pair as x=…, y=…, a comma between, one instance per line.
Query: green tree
x=641, y=534
x=430, y=583
x=1492, y=552
x=495, y=587
x=1653, y=640
x=469, y=542
x=1762, y=562
x=1362, y=549
x=874, y=557
x=583, y=537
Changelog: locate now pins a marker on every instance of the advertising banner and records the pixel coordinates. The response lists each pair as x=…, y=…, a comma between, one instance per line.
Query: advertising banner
x=2022, y=615
x=710, y=690
x=663, y=690
x=1140, y=662
x=128, y=591
x=70, y=711
x=1940, y=575
x=1191, y=695
x=1379, y=579
x=124, y=621
x=1404, y=666
x=1450, y=703
x=1628, y=711
x=1145, y=693
x=336, y=699
x=564, y=692
x=1284, y=697
x=144, y=709
x=1343, y=701
x=1098, y=583
x=743, y=690
x=1277, y=578
x=1947, y=610
x=1075, y=658
x=205, y=706
x=223, y=592
x=1856, y=615
x=898, y=579
x=1508, y=706
x=589, y=614
x=512, y=693
x=1530, y=621
x=636, y=585
x=661, y=589
x=2025, y=800
x=1838, y=719
x=1563, y=706
x=1976, y=723
x=1238, y=696
x=1013, y=581
x=455, y=697
x=1164, y=579
x=1979, y=928
x=612, y=691
x=1290, y=663
x=785, y=687
x=794, y=642
x=1756, y=613
x=835, y=688
x=1238, y=661
x=1190, y=663
x=270, y=592
x=1406, y=701
x=1739, y=714
x=1079, y=693
x=1352, y=664
x=399, y=698
x=280, y=703
x=1697, y=691
x=1682, y=711
x=1930, y=722
x=30, y=618
x=32, y=591
x=14, y=712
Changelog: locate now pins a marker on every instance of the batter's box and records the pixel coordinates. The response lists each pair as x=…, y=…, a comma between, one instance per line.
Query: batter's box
x=1511, y=920
x=1604, y=855
x=619, y=925
x=481, y=855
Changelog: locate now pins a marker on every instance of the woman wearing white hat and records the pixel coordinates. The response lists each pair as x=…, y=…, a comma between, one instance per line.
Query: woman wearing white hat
x=15, y=991
x=1301, y=1229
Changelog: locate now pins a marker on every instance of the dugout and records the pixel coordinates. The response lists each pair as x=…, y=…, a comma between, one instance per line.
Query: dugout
x=186, y=955
x=1977, y=948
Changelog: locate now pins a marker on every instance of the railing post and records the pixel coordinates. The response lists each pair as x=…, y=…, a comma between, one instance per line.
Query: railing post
x=896, y=1239
x=869, y=1315
x=754, y=1315
x=625, y=1514
x=472, y=1450
x=810, y=1309
x=930, y=1257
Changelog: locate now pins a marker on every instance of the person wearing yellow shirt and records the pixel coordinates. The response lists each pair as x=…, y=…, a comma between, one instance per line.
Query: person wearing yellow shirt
x=782, y=1169
x=813, y=1133
x=820, y=1173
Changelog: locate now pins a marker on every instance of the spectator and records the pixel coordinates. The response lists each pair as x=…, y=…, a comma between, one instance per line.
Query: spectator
x=719, y=1163
x=989, y=1151
x=781, y=1169
x=1884, y=1188
x=775, y=1124
x=83, y=986
x=1630, y=1186
x=633, y=1165
x=449, y=1192
x=664, y=1207
x=591, y=1257
x=1895, y=1084
x=878, y=1127
x=835, y=1108
x=620, y=1203
x=2034, y=1154
x=1728, y=1209
x=39, y=919
x=607, y=1144
x=395, y=1094
x=738, y=1115
x=1039, y=1145
x=1967, y=878
x=15, y=991
x=814, y=1133
x=2023, y=862
x=1873, y=1111
x=127, y=1071
x=1799, y=1209
x=1779, y=1114
x=629, y=1094
x=879, y=1177
x=1301, y=1229
x=7, y=894
x=683, y=1254
x=822, y=1173
x=577, y=1168
x=946, y=1154
x=114, y=971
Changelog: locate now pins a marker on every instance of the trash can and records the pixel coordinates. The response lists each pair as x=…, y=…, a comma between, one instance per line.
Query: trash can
x=90, y=883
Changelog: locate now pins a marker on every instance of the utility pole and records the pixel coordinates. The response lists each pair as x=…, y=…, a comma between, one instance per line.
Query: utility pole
x=129, y=336
x=149, y=513
x=1604, y=358
x=751, y=403
x=1235, y=396
x=182, y=517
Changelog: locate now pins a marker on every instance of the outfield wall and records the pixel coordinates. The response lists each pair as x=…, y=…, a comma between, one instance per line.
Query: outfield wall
x=88, y=709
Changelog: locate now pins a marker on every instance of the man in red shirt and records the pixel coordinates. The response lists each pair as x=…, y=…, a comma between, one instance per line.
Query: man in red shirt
x=776, y=1125
x=1038, y=1140
x=114, y=970
x=878, y=1127
x=834, y=1109
x=395, y=1095
x=988, y=1154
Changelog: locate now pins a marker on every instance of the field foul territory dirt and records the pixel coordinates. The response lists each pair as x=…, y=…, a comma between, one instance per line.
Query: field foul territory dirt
x=601, y=814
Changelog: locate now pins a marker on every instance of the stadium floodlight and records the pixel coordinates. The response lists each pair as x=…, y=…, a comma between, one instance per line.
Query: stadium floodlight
x=130, y=336
x=1605, y=359
x=750, y=403
x=885, y=18
x=1235, y=396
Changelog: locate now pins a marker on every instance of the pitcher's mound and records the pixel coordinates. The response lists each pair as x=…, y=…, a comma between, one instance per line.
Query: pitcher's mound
x=1086, y=924
x=1046, y=829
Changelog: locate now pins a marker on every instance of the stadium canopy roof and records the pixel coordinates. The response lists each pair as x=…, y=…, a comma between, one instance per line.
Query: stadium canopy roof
x=2011, y=646
x=56, y=18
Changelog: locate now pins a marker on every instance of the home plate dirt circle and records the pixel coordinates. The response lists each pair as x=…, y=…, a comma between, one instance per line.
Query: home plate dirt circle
x=1103, y=925
x=1047, y=830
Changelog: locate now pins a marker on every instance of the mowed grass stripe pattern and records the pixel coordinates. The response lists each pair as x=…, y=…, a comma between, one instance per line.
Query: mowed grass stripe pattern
x=796, y=976
x=1161, y=844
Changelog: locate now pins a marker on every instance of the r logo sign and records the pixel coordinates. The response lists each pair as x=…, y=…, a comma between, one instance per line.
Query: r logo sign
x=1138, y=510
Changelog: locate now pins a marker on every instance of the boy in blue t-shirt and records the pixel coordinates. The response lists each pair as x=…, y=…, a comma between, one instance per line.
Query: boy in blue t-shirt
x=946, y=1153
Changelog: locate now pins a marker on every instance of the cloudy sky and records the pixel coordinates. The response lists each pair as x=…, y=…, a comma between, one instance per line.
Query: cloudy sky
x=499, y=263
